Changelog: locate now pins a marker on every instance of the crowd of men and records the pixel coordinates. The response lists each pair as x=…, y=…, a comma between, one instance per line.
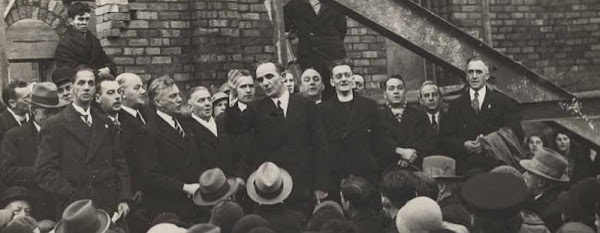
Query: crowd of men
x=94, y=152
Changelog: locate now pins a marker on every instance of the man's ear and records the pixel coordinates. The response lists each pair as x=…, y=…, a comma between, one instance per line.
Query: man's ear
x=12, y=103
x=97, y=98
x=331, y=82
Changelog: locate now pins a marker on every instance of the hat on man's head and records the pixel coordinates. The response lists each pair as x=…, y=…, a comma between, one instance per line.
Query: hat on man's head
x=23, y=224
x=440, y=167
x=62, y=75
x=14, y=193
x=419, y=214
x=248, y=222
x=45, y=94
x=166, y=227
x=204, y=228
x=269, y=184
x=496, y=194
x=548, y=164
x=214, y=187
x=82, y=216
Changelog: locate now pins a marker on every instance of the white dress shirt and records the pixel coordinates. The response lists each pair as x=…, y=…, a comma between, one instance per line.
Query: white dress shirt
x=133, y=112
x=167, y=118
x=17, y=117
x=436, y=115
x=243, y=106
x=83, y=112
x=211, y=125
x=37, y=127
x=481, y=95
x=285, y=100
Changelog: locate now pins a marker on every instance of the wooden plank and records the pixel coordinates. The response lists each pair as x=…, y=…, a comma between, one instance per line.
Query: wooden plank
x=18, y=51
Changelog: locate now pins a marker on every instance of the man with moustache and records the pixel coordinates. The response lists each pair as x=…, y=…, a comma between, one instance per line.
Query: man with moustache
x=405, y=128
x=170, y=166
x=20, y=146
x=17, y=110
x=79, y=155
x=476, y=113
x=350, y=123
x=108, y=97
x=287, y=132
x=311, y=85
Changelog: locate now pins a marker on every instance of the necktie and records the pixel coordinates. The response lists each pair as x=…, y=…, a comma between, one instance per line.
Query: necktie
x=86, y=120
x=434, y=124
x=117, y=123
x=178, y=128
x=475, y=102
x=22, y=122
x=279, y=108
x=316, y=7
x=138, y=116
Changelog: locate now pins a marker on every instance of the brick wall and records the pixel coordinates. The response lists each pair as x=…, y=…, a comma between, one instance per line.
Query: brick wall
x=366, y=48
x=559, y=39
x=51, y=12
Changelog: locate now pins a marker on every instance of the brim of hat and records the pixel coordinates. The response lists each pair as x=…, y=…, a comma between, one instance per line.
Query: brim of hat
x=445, y=177
x=198, y=200
x=526, y=164
x=100, y=214
x=285, y=193
x=60, y=104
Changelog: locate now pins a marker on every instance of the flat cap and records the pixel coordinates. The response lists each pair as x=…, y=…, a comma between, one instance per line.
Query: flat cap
x=495, y=194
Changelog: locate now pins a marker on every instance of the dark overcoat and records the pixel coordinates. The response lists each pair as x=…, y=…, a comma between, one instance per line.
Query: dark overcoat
x=7, y=122
x=352, y=139
x=282, y=219
x=243, y=147
x=76, y=48
x=295, y=143
x=215, y=150
x=77, y=162
x=128, y=131
x=462, y=124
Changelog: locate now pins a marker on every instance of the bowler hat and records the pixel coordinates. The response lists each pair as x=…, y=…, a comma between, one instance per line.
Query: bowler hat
x=82, y=216
x=269, y=184
x=14, y=193
x=548, y=164
x=204, y=228
x=62, y=75
x=45, y=94
x=440, y=167
x=214, y=187
x=497, y=194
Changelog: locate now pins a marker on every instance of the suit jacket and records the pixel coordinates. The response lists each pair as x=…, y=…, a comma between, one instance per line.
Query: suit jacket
x=462, y=124
x=369, y=223
x=295, y=143
x=433, y=136
x=77, y=162
x=352, y=138
x=76, y=49
x=282, y=219
x=216, y=150
x=321, y=36
x=168, y=161
x=7, y=122
x=129, y=130
x=454, y=211
x=243, y=147
x=412, y=132
x=548, y=209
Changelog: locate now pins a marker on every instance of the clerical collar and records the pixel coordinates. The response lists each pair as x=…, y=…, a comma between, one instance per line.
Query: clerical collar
x=345, y=99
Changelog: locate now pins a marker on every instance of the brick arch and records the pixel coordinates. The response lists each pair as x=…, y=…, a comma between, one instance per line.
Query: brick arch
x=51, y=12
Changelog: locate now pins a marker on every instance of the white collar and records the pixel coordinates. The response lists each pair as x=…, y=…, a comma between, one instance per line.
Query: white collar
x=345, y=99
x=17, y=117
x=285, y=99
x=129, y=110
x=166, y=117
x=241, y=106
x=81, y=111
x=113, y=118
x=481, y=92
x=211, y=125
x=435, y=115
x=37, y=127
x=318, y=101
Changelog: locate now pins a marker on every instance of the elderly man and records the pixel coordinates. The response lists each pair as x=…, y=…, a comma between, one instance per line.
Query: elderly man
x=405, y=128
x=311, y=85
x=79, y=46
x=20, y=145
x=79, y=156
x=170, y=168
x=288, y=132
x=359, y=84
x=61, y=77
x=16, y=113
x=476, y=113
x=350, y=122
x=545, y=177
x=430, y=98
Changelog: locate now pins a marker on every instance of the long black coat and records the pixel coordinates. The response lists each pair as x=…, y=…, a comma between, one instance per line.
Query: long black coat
x=352, y=138
x=168, y=162
x=7, y=122
x=548, y=208
x=216, y=150
x=462, y=124
x=282, y=219
x=412, y=132
x=243, y=147
x=76, y=49
x=77, y=162
x=19, y=152
x=295, y=143
x=130, y=129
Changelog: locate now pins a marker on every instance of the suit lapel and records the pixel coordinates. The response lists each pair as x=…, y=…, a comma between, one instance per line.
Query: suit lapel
x=169, y=133
x=486, y=106
x=75, y=125
x=205, y=134
x=99, y=131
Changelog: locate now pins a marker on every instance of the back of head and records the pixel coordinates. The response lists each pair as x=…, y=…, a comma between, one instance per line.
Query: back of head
x=338, y=226
x=506, y=169
x=426, y=186
x=225, y=214
x=246, y=223
x=399, y=186
x=261, y=229
x=322, y=215
x=359, y=192
x=20, y=225
x=420, y=214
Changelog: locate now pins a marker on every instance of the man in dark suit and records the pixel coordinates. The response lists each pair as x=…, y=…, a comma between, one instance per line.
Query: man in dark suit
x=79, y=46
x=79, y=156
x=350, y=123
x=288, y=132
x=405, y=128
x=16, y=113
x=430, y=98
x=478, y=112
x=170, y=163
x=321, y=31
x=20, y=146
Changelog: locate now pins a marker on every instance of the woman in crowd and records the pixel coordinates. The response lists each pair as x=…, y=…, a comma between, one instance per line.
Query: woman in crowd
x=533, y=143
x=583, y=162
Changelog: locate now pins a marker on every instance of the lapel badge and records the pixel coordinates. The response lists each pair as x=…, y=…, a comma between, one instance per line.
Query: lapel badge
x=106, y=126
x=489, y=106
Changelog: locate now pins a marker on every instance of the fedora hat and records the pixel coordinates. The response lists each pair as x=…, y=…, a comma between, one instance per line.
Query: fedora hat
x=548, y=164
x=82, y=216
x=45, y=94
x=214, y=187
x=440, y=167
x=269, y=184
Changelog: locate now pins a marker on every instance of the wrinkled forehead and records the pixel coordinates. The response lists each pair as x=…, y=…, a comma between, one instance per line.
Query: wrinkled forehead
x=202, y=93
x=265, y=69
x=477, y=65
